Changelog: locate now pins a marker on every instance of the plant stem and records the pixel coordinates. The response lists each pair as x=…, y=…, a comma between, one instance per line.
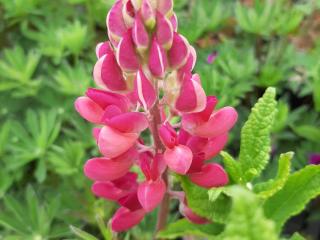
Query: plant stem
x=155, y=123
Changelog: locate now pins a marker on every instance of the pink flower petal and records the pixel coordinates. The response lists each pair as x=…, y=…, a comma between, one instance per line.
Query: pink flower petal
x=165, y=7
x=108, y=191
x=130, y=201
x=105, y=169
x=168, y=136
x=157, y=59
x=107, y=74
x=89, y=110
x=219, y=123
x=128, y=13
x=178, y=159
x=131, y=122
x=211, y=175
x=113, y=143
x=192, y=97
x=103, y=49
x=174, y=22
x=150, y=194
x=215, y=145
x=126, y=54
x=179, y=52
x=144, y=90
x=140, y=35
x=190, y=215
x=115, y=22
x=164, y=31
x=105, y=99
x=125, y=219
x=148, y=14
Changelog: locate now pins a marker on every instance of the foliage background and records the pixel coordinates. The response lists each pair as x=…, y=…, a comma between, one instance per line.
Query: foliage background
x=46, y=60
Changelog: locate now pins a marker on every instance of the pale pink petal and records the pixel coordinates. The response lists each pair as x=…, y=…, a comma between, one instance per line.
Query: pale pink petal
x=179, y=52
x=219, y=123
x=140, y=35
x=103, y=49
x=125, y=219
x=165, y=6
x=151, y=193
x=192, y=97
x=126, y=54
x=115, y=22
x=95, y=133
x=107, y=74
x=157, y=59
x=88, y=109
x=178, y=159
x=144, y=90
x=148, y=14
x=104, y=169
x=128, y=13
x=164, y=31
x=134, y=122
x=211, y=175
x=174, y=22
x=113, y=143
x=136, y=4
x=108, y=191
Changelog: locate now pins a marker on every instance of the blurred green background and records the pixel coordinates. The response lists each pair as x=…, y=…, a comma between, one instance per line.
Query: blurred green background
x=46, y=61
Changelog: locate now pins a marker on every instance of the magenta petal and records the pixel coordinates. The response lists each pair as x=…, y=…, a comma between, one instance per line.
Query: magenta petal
x=115, y=22
x=88, y=109
x=174, y=22
x=148, y=14
x=140, y=35
x=144, y=90
x=150, y=194
x=107, y=74
x=179, y=52
x=168, y=135
x=190, y=215
x=157, y=59
x=125, y=219
x=211, y=175
x=215, y=145
x=178, y=159
x=126, y=54
x=134, y=122
x=113, y=143
x=128, y=13
x=192, y=97
x=104, y=169
x=165, y=6
x=104, y=99
x=164, y=31
x=103, y=49
x=191, y=62
x=108, y=191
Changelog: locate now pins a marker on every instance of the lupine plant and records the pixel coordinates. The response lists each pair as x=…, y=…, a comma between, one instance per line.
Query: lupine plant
x=146, y=84
x=154, y=123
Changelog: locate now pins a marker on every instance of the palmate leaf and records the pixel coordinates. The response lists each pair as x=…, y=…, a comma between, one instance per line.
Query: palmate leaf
x=183, y=228
x=246, y=219
x=198, y=201
x=269, y=188
x=301, y=187
x=255, y=136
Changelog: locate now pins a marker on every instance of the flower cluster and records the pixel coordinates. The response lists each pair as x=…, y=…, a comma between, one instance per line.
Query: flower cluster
x=145, y=78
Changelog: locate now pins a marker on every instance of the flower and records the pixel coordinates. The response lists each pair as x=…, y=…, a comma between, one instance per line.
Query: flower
x=314, y=158
x=144, y=74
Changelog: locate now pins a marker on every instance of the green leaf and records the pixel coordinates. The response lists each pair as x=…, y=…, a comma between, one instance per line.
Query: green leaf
x=255, y=136
x=267, y=189
x=308, y=132
x=183, y=228
x=232, y=167
x=301, y=187
x=246, y=219
x=198, y=201
x=82, y=234
x=297, y=236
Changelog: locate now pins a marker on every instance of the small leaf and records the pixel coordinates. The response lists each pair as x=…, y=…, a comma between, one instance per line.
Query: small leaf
x=183, y=228
x=308, y=132
x=255, y=136
x=82, y=234
x=267, y=189
x=232, y=166
x=301, y=187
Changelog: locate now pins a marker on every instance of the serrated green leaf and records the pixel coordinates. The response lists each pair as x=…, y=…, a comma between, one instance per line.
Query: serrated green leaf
x=246, y=219
x=198, y=201
x=255, y=136
x=269, y=188
x=183, y=228
x=301, y=187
